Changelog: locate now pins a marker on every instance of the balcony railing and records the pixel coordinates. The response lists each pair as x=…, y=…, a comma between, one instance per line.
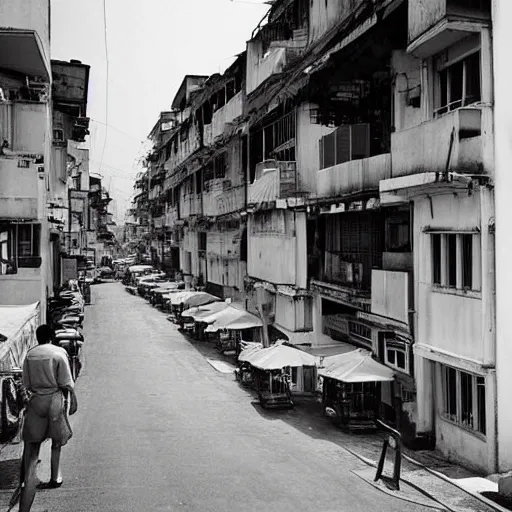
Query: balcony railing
x=391, y=294
x=223, y=201
x=452, y=18
x=190, y=205
x=18, y=188
x=208, y=134
x=171, y=216
x=264, y=62
x=23, y=126
x=453, y=137
x=274, y=180
x=227, y=114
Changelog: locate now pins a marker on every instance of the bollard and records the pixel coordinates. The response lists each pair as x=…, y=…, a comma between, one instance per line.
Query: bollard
x=393, y=440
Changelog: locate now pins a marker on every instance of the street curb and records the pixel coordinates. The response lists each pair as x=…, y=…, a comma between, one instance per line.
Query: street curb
x=397, y=495
x=476, y=495
x=370, y=462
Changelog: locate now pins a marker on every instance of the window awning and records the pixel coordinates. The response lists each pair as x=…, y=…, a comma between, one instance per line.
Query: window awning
x=356, y=366
x=231, y=319
x=277, y=357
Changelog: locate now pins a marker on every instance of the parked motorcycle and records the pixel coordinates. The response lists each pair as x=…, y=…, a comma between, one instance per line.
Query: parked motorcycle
x=66, y=316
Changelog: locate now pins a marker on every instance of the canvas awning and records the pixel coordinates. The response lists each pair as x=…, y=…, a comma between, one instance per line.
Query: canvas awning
x=231, y=319
x=17, y=327
x=199, y=312
x=276, y=357
x=355, y=366
x=192, y=298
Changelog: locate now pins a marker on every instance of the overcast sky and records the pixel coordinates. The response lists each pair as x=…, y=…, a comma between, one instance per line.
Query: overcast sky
x=152, y=44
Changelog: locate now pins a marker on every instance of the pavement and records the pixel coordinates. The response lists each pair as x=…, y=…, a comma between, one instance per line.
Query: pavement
x=162, y=425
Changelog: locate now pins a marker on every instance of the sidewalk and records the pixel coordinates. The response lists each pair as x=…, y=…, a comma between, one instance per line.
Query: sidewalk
x=426, y=477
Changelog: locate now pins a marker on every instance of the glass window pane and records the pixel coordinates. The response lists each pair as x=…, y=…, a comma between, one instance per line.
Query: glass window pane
x=436, y=259
x=451, y=393
x=24, y=240
x=466, y=390
x=400, y=359
x=480, y=391
x=451, y=249
x=473, y=88
x=467, y=261
x=391, y=356
x=456, y=72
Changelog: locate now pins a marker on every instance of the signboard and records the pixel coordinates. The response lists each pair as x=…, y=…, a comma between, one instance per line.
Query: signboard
x=69, y=269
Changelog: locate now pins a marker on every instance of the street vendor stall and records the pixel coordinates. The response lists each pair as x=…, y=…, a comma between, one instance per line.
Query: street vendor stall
x=18, y=325
x=187, y=299
x=229, y=324
x=351, y=388
x=194, y=317
x=270, y=372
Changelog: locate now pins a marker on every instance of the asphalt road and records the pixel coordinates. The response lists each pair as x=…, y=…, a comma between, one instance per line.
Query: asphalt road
x=160, y=429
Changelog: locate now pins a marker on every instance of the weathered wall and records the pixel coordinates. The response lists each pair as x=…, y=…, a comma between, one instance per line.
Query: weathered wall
x=407, y=83
x=307, y=150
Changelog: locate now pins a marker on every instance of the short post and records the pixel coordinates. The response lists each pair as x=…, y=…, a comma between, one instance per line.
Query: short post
x=393, y=440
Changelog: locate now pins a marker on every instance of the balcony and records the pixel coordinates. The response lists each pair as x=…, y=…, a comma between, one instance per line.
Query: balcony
x=354, y=176
x=274, y=180
x=158, y=222
x=208, y=135
x=221, y=198
x=437, y=24
x=23, y=124
x=225, y=115
x=25, y=45
x=18, y=189
x=426, y=147
x=262, y=62
x=190, y=205
x=171, y=217
x=391, y=295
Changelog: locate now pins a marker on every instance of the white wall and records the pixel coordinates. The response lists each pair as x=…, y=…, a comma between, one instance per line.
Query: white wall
x=21, y=288
x=450, y=322
x=462, y=445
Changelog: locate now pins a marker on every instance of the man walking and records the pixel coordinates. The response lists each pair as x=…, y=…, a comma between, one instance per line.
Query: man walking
x=47, y=376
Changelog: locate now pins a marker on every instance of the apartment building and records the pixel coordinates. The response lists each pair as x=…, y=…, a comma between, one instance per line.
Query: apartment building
x=69, y=177
x=25, y=122
x=360, y=137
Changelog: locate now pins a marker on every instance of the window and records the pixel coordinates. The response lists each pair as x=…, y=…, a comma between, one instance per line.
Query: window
x=464, y=398
x=459, y=84
x=396, y=354
x=19, y=247
x=455, y=262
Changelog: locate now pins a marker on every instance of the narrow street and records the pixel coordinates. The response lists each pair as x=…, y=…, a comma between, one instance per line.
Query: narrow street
x=159, y=428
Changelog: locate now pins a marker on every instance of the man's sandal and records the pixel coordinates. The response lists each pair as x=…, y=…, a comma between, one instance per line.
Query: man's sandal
x=52, y=484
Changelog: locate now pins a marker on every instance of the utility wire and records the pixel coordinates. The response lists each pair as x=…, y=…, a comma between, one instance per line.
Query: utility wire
x=107, y=79
x=116, y=129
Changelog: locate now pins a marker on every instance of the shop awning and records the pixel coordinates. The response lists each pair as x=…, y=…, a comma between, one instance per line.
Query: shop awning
x=17, y=326
x=190, y=299
x=276, y=357
x=199, y=312
x=232, y=319
x=355, y=366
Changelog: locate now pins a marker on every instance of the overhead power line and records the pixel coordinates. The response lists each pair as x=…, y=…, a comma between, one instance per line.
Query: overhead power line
x=105, y=33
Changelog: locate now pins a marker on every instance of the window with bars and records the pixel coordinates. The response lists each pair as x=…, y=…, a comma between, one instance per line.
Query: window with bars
x=464, y=398
x=459, y=84
x=455, y=260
